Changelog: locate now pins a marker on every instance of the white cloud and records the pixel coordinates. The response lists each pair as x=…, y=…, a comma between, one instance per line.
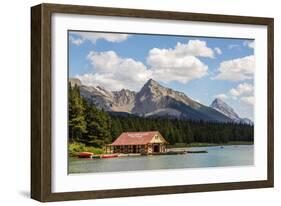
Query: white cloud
x=180, y=63
x=218, y=50
x=193, y=48
x=221, y=96
x=241, y=89
x=175, y=64
x=94, y=36
x=183, y=69
x=233, y=46
x=76, y=41
x=114, y=72
x=250, y=44
x=236, y=69
x=249, y=100
x=243, y=92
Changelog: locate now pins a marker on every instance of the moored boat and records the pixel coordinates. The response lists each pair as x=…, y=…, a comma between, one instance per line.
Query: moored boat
x=109, y=155
x=123, y=155
x=85, y=155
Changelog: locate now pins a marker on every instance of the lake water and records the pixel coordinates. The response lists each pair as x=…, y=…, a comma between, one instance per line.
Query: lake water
x=237, y=155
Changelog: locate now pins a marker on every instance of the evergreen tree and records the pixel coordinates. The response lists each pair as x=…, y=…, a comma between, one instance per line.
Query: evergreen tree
x=76, y=124
x=188, y=133
x=98, y=127
x=116, y=129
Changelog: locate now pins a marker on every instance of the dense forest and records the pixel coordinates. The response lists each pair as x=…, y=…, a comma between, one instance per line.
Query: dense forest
x=94, y=127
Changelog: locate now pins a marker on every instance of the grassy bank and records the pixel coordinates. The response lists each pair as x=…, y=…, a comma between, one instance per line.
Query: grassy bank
x=75, y=148
x=206, y=144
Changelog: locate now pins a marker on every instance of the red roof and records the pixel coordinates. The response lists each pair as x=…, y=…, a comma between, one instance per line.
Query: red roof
x=134, y=138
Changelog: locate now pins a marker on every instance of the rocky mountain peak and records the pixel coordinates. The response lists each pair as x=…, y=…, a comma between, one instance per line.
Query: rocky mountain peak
x=126, y=92
x=218, y=101
x=123, y=100
x=151, y=85
x=155, y=97
x=124, y=95
x=103, y=91
x=151, y=82
x=154, y=88
x=225, y=109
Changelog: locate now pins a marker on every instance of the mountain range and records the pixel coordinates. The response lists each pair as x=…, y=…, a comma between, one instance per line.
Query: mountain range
x=155, y=100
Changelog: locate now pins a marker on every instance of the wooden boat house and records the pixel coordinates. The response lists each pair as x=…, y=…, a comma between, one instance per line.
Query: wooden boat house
x=138, y=142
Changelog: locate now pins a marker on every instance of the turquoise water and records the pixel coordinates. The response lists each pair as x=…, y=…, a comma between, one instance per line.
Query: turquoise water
x=237, y=155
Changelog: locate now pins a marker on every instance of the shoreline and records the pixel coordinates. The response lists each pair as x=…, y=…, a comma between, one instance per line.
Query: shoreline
x=99, y=151
x=206, y=144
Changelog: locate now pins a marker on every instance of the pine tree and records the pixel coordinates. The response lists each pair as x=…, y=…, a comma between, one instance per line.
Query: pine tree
x=189, y=134
x=98, y=127
x=116, y=128
x=77, y=124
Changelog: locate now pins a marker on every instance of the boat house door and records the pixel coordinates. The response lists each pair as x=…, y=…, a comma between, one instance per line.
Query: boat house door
x=156, y=148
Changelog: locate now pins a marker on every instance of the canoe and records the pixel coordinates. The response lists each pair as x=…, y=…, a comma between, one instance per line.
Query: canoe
x=123, y=155
x=109, y=155
x=85, y=154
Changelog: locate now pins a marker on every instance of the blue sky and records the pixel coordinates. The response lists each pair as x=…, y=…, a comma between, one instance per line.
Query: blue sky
x=203, y=68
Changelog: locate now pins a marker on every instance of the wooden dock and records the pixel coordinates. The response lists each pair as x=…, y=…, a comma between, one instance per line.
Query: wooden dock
x=170, y=152
x=198, y=151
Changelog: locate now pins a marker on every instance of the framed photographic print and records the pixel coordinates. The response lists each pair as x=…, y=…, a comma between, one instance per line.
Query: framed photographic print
x=130, y=102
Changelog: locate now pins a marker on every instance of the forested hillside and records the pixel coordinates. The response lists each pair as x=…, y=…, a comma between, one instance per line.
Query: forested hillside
x=95, y=127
